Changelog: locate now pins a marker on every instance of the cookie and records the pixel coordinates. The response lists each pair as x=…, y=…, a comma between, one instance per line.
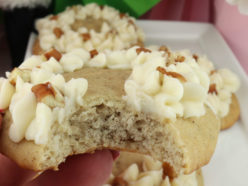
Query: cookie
x=128, y=100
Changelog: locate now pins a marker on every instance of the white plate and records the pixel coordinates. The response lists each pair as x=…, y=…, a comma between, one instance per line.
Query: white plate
x=229, y=165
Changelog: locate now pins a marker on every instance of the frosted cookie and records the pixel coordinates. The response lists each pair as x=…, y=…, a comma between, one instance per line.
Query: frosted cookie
x=89, y=27
x=58, y=104
x=133, y=169
x=222, y=88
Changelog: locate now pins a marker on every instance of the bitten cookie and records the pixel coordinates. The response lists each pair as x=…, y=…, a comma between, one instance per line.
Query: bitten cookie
x=89, y=27
x=56, y=105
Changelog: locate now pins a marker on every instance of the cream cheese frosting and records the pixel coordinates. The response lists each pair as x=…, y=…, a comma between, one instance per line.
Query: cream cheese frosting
x=224, y=81
x=38, y=94
x=178, y=92
x=163, y=84
x=116, y=30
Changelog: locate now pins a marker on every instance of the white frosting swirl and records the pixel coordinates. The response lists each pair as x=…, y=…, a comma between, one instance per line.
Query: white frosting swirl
x=116, y=32
x=32, y=119
x=226, y=83
x=150, y=91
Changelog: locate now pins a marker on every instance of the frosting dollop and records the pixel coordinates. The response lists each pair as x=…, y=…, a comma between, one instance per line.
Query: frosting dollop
x=168, y=90
x=37, y=93
x=89, y=27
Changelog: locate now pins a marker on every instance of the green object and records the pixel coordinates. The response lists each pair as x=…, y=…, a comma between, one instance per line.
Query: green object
x=134, y=8
x=60, y=5
x=99, y=2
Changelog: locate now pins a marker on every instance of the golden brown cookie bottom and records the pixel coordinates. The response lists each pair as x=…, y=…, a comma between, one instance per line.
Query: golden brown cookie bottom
x=233, y=115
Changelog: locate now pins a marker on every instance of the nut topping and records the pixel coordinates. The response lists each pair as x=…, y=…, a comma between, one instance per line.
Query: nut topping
x=167, y=170
x=180, y=59
x=86, y=36
x=172, y=74
x=164, y=48
x=142, y=49
x=212, y=72
x=58, y=32
x=195, y=57
x=54, y=17
x=93, y=53
x=212, y=89
x=53, y=53
x=43, y=90
x=122, y=15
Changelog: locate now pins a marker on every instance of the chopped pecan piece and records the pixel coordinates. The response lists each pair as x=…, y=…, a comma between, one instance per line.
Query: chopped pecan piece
x=42, y=90
x=161, y=70
x=58, y=32
x=195, y=57
x=163, y=48
x=180, y=59
x=54, y=17
x=172, y=74
x=167, y=170
x=86, y=36
x=212, y=89
x=122, y=15
x=141, y=49
x=212, y=72
x=93, y=53
x=118, y=181
x=131, y=22
x=53, y=53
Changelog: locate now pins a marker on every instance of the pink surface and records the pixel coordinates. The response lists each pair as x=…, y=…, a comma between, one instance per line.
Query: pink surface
x=234, y=27
x=227, y=19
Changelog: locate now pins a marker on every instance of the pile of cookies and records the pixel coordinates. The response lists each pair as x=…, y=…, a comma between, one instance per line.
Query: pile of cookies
x=91, y=84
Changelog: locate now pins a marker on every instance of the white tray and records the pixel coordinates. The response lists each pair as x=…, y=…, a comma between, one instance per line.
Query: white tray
x=229, y=165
